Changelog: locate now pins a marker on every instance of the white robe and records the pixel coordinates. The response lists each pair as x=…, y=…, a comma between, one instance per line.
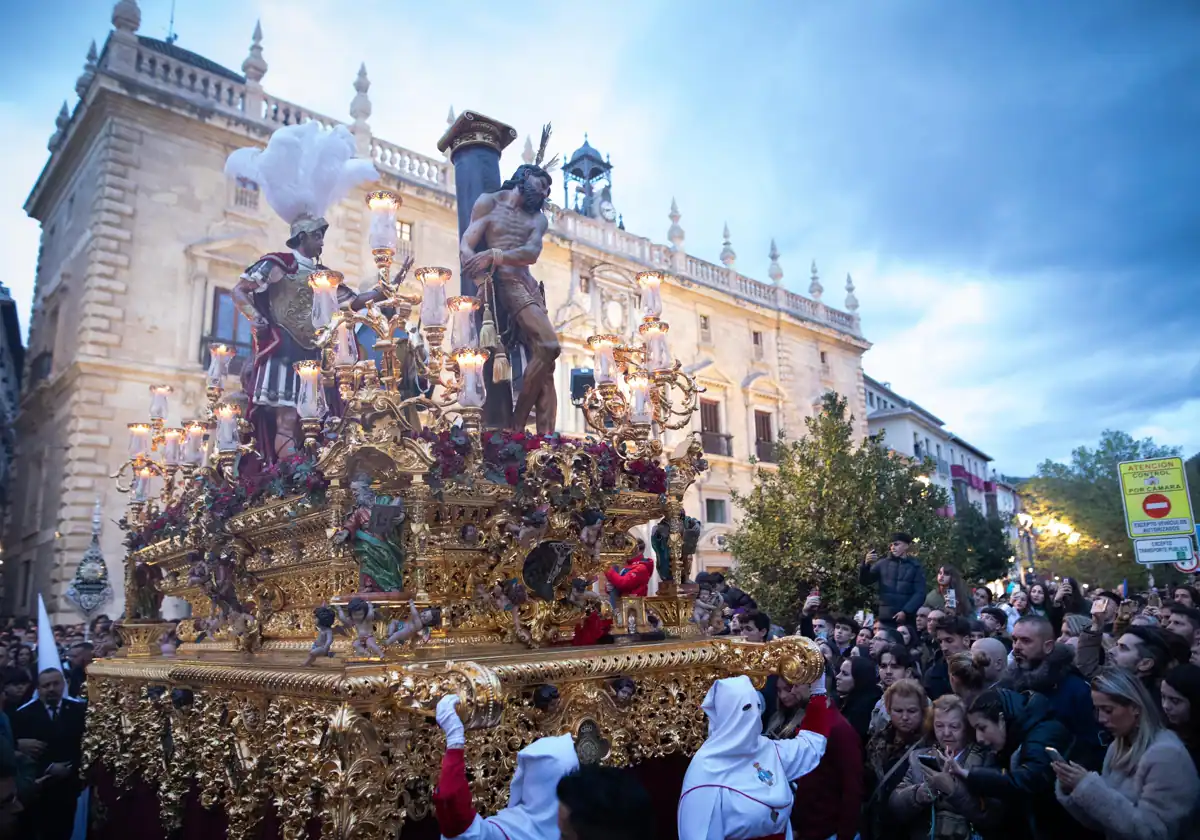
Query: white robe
x=737, y=786
x=532, y=812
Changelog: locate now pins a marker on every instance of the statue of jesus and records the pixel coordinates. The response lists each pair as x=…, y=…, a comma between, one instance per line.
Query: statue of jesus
x=509, y=225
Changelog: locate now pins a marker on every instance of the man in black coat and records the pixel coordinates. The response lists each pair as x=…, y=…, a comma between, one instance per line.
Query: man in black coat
x=49, y=729
x=901, y=580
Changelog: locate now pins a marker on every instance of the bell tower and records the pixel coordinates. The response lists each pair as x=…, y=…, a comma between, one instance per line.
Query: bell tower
x=587, y=184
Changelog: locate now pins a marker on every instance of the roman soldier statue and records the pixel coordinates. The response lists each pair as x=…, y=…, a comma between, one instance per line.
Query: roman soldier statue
x=303, y=171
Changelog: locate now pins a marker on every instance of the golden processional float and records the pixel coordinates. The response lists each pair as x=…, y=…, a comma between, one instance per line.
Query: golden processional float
x=492, y=537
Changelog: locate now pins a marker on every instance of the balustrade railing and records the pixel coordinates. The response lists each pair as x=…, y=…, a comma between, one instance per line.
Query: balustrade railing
x=190, y=81
x=400, y=161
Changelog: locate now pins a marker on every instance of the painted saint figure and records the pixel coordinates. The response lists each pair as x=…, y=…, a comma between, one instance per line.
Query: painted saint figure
x=371, y=531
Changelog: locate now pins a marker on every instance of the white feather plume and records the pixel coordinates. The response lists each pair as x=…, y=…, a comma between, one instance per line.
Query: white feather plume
x=304, y=169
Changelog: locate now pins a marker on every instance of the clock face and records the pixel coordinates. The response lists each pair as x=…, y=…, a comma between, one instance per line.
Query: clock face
x=607, y=211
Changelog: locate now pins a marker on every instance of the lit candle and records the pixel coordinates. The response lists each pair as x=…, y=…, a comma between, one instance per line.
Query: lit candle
x=220, y=355
x=641, y=410
x=228, y=436
x=603, y=361
x=193, y=444
x=470, y=368
x=658, y=354
x=139, y=439
x=463, y=334
x=308, y=401
x=433, y=305
x=172, y=438
x=159, y=402
x=345, y=346
x=383, y=205
x=651, y=283
x=324, y=284
x=141, y=484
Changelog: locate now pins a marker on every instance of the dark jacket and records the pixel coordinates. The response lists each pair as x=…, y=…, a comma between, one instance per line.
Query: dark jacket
x=1024, y=780
x=52, y=812
x=832, y=793
x=937, y=680
x=856, y=707
x=901, y=585
x=955, y=815
x=1070, y=698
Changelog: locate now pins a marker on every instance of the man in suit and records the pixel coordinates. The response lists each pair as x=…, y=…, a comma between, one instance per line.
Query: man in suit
x=49, y=729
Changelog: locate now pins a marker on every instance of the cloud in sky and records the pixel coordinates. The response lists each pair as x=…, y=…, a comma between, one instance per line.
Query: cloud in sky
x=1013, y=186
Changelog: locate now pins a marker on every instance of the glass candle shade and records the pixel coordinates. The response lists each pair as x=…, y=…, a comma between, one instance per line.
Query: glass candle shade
x=658, y=355
x=139, y=439
x=220, y=355
x=651, y=283
x=471, y=393
x=383, y=205
x=308, y=399
x=345, y=345
x=641, y=410
x=159, y=401
x=433, y=304
x=228, y=436
x=193, y=443
x=604, y=363
x=463, y=333
x=172, y=446
x=142, y=480
x=324, y=284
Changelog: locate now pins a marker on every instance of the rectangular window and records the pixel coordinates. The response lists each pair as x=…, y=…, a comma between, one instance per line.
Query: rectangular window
x=763, y=433
x=756, y=338
x=715, y=511
x=870, y=399
x=228, y=326
x=245, y=194
x=764, y=436
x=404, y=231
x=705, y=329
x=714, y=441
x=585, y=284
x=824, y=358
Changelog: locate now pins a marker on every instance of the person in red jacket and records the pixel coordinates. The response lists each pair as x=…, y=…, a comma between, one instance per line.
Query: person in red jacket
x=832, y=793
x=631, y=579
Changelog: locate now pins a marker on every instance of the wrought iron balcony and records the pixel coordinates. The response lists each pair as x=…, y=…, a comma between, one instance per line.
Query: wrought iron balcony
x=717, y=443
x=764, y=450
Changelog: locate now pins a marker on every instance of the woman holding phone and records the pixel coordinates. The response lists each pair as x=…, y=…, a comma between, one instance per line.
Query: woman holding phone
x=932, y=803
x=1148, y=787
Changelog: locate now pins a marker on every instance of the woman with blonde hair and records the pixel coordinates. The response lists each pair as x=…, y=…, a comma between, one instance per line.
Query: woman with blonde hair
x=932, y=803
x=889, y=749
x=1148, y=786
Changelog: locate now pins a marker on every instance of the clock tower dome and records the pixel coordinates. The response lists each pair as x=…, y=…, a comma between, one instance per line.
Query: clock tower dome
x=587, y=184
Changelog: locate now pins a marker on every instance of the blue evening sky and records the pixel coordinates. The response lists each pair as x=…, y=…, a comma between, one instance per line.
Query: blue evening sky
x=1014, y=186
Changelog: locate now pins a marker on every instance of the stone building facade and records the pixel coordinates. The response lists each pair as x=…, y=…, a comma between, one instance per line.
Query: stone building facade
x=143, y=237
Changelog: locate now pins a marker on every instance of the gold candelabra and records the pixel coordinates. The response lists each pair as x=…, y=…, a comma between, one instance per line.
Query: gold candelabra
x=640, y=391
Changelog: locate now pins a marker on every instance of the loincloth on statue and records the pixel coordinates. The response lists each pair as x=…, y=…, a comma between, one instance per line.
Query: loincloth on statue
x=516, y=289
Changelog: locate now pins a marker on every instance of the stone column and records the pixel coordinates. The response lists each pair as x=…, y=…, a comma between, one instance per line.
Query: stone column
x=474, y=143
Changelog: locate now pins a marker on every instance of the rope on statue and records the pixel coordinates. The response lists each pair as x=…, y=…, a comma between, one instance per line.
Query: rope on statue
x=489, y=336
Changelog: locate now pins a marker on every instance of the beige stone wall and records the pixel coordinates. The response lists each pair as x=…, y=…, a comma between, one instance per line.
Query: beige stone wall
x=140, y=227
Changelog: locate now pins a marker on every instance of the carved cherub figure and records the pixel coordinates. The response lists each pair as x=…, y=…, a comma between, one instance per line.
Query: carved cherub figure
x=323, y=646
x=591, y=532
x=533, y=527
x=418, y=621
x=708, y=602
x=581, y=594
x=359, y=616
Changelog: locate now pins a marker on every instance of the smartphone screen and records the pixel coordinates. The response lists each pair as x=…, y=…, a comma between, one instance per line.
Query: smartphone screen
x=930, y=761
x=1054, y=754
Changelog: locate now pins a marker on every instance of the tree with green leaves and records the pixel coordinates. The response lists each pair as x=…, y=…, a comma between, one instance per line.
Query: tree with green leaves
x=979, y=545
x=811, y=520
x=1085, y=494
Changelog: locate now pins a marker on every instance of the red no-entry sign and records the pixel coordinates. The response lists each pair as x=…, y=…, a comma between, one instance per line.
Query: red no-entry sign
x=1156, y=505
